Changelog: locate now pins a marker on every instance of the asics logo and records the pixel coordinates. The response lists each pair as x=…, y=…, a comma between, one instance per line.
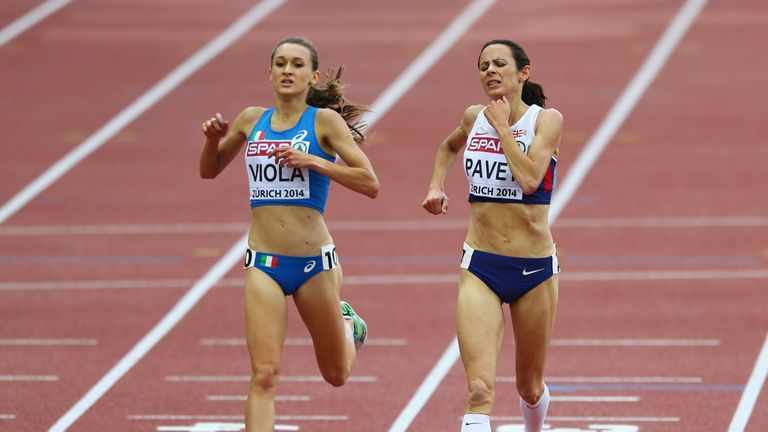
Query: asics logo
x=526, y=272
x=308, y=268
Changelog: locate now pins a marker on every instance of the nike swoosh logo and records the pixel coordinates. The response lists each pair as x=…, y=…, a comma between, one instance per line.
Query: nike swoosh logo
x=526, y=272
x=470, y=424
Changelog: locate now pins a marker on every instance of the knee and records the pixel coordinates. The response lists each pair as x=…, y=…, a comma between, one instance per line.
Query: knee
x=264, y=377
x=481, y=393
x=530, y=391
x=336, y=376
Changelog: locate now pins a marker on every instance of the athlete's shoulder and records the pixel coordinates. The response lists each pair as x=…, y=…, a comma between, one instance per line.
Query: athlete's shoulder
x=251, y=113
x=551, y=115
x=473, y=111
x=328, y=115
x=470, y=115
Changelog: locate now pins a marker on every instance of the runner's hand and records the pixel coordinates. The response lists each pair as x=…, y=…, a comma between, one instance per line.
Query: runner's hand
x=292, y=158
x=215, y=128
x=436, y=202
x=497, y=112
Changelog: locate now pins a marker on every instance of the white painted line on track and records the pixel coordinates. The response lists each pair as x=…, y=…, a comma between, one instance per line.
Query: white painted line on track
x=7, y=416
x=28, y=378
x=751, y=391
x=393, y=92
x=139, y=106
x=411, y=279
x=302, y=342
x=378, y=226
x=590, y=399
x=385, y=225
x=595, y=419
x=49, y=342
x=576, y=174
x=234, y=417
x=664, y=222
x=187, y=302
x=637, y=342
x=247, y=378
x=29, y=19
x=609, y=379
x=219, y=427
x=626, y=103
x=243, y=398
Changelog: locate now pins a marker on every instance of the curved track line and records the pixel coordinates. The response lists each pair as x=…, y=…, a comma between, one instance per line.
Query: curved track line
x=388, y=97
x=138, y=107
x=607, y=129
x=751, y=391
x=30, y=19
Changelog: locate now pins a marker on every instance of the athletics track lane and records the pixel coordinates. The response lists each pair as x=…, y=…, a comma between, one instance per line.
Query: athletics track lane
x=105, y=188
x=673, y=157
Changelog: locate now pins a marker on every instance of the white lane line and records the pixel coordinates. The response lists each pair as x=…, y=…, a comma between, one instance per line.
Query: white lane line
x=302, y=342
x=219, y=427
x=664, y=222
x=576, y=174
x=591, y=399
x=398, y=88
x=595, y=419
x=49, y=342
x=7, y=416
x=751, y=391
x=626, y=103
x=247, y=378
x=378, y=226
x=637, y=342
x=234, y=417
x=609, y=379
x=28, y=378
x=242, y=398
x=187, y=302
x=665, y=275
x=138, y=107
x=30, y=19
x=96, y=284
x=412, y=279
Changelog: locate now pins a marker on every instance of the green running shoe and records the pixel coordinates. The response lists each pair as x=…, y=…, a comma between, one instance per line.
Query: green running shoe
x=360, y=328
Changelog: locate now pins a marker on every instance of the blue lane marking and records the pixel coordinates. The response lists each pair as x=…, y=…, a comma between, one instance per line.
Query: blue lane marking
x=162, y=260
x=648, y=387
x=661, y=260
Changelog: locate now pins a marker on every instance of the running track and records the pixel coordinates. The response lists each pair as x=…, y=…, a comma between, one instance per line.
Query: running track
x=664, y=244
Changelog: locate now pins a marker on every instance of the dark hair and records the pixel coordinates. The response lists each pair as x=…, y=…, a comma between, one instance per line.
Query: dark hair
x=533, y=93
x=331, y=94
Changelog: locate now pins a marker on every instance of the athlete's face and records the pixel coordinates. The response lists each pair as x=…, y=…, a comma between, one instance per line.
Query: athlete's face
x=291, y=71
x=498, y=72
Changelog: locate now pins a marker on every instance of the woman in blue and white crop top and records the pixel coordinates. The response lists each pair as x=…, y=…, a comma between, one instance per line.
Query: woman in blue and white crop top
x=290, y=155
x=510, y=153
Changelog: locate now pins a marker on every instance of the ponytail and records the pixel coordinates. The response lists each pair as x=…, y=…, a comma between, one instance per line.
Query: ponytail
x=331, y=96
x=533, y=93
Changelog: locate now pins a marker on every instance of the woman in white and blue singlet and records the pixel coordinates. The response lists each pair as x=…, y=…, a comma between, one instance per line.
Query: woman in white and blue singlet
x=290, y=154
x=510, y=153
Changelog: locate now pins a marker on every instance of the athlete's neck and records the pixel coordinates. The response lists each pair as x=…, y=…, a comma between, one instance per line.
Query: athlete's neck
x=287, y=113
x=517, y=111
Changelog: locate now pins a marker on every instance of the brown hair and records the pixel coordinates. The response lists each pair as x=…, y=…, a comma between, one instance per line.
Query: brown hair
x=331, y=94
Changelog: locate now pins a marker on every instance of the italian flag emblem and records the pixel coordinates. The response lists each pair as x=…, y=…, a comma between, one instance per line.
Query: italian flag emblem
x=268, y=261
x=258, y=136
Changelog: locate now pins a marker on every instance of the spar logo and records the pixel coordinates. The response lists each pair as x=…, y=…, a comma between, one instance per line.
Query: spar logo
x=491, y=145
x=485, y=144
x=261, y=147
